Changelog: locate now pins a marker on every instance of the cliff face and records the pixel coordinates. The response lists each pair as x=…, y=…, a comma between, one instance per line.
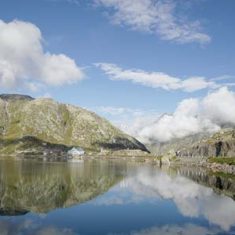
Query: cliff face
x=176, y=144
x=51, y=123
x=220, y=144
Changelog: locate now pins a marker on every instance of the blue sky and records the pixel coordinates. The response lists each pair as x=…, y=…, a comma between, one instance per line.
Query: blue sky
x=134, y=55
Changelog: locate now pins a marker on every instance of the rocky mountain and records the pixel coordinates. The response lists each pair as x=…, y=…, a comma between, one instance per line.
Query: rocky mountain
x=29, y=125
x=161, y=148
x=221, y=143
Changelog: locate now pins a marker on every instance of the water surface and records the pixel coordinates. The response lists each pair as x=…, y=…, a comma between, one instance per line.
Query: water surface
x=113, y=197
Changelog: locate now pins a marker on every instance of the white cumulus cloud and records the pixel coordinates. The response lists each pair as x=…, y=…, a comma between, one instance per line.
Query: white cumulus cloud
x=156, y=17
x=219, y=106
x=24, y=63
x=192, y=116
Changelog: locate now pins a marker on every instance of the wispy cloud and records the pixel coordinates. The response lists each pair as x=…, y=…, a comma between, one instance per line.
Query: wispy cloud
x=114, y=111
x=155, y=17
x=223, y=78
x=128, y=119
x=156, y=79
x=76, y=2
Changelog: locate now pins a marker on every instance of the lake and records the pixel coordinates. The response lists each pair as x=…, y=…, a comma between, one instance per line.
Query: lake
x=104, y=197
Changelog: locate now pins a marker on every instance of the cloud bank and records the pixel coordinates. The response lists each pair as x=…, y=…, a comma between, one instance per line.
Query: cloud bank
x=192, y=116
x=24, y=63
x=156, y=79
x=155, y=17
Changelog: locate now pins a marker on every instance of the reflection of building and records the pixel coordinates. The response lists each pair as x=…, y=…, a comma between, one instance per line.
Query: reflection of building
x=124, y=184
x=76, y=152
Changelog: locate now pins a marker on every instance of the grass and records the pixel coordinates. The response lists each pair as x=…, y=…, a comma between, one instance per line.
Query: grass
x=222, y=160
x=174, y=159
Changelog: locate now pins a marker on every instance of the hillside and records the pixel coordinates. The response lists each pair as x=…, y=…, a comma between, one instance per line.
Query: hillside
x=29, y=125
x=221, y=143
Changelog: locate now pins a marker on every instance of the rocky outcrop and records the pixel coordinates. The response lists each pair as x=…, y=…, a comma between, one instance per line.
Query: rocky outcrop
x=46, y=122
x=220, y=144
x=205, y=145
x=177, y=144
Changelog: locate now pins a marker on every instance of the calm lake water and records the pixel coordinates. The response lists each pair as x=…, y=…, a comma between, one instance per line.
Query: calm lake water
x=113, y=197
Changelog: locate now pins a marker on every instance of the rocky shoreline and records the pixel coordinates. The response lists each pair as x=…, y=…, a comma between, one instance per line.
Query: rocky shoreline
x=129, y=155
x=204, y=163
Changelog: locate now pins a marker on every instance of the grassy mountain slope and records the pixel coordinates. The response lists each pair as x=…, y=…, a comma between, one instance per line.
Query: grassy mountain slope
x=50, y=122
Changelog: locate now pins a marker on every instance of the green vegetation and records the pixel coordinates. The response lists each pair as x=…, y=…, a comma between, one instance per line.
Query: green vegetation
x=48, y=121
x=174, y=159
x=222, y=160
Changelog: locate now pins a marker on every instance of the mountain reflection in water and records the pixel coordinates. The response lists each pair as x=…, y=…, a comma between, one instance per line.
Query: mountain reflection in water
x=42, y=187
x=112, y=197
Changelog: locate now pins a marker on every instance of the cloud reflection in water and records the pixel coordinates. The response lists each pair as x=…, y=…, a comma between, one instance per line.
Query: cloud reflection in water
x=191, y=199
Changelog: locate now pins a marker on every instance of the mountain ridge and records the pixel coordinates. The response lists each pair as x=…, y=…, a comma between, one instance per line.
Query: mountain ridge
x=60, y=124
x=217, y=144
